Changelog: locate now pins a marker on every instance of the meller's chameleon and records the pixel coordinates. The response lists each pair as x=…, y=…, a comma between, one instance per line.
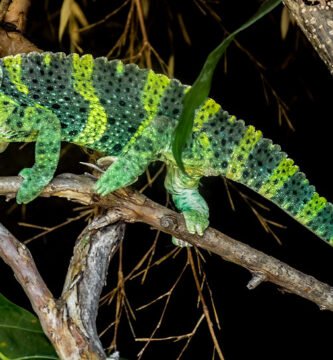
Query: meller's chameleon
x=131, y=113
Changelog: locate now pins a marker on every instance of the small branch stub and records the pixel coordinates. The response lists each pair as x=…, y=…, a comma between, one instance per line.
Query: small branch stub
x=256, y=280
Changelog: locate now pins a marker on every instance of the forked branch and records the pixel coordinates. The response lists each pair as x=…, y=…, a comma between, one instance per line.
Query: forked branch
x=70, y=321
x=131, y=206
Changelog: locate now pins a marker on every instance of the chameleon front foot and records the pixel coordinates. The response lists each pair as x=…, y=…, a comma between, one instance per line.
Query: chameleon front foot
x=31, y=186
x=118, y=175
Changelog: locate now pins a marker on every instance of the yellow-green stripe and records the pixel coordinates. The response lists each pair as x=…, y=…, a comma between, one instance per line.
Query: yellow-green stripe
x=120, y=67
x=13, y=65
x=204, y=113
x=47, y=58
x=311, y=209
x=83, y=84
x=241, y=153
x=32, y=112
x=280, y=175
x=152, y=93
x=6, y=110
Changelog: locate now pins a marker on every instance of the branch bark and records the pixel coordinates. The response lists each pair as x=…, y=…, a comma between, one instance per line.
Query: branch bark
x=13, y=42
x=315, y=18
x=131, y=206
x=68, y=322
x=86, y=277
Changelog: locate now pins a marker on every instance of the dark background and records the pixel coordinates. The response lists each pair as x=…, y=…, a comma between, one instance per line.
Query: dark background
x=264, y=323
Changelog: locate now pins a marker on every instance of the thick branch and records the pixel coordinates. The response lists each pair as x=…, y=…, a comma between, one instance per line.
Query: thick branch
x=69, y=322
x=315, y=18
x=133, y=206
x=18, y=257
x=86, y=277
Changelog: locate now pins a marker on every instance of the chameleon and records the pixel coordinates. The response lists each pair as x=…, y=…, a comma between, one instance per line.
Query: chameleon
x=130, y=114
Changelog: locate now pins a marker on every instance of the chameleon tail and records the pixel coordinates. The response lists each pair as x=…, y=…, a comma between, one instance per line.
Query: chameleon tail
x=269, y=171
x=243, y=155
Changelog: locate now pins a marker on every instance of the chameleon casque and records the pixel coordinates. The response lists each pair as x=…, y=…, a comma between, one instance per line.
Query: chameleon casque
x=131, y=113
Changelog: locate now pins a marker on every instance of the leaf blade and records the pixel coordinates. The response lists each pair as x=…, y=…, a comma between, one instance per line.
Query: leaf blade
x=201, y=87
x=21, y=335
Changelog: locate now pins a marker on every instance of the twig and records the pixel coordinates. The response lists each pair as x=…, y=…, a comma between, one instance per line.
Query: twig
x=204, y=306
x=135, y=207
x=18, y=257
x=167, y=297
x=145, y=40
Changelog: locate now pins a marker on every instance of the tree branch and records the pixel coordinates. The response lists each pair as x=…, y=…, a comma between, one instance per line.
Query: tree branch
x=69, y=322
x=132, y=206
x=18, y=257
x=315, y=18
x=86, y=277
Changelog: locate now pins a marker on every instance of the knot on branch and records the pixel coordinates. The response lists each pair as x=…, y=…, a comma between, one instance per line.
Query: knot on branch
x=169, y=222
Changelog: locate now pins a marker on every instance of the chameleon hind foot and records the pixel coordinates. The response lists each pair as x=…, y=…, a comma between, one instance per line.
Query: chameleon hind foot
x=180, y=243
x=185, y=195
x=196, y=221
x=47, y=129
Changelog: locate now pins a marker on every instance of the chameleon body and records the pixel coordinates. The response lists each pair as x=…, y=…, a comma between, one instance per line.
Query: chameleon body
x=131, y=113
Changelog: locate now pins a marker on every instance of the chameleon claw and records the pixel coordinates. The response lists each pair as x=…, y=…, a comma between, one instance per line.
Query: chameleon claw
x=104, y=187
x=180, y=243
x=101, y=189
x=196, y=222
x=114, y=178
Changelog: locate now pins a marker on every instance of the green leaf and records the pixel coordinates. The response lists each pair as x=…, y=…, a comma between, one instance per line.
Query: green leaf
x=201, y=87
x=21, y=335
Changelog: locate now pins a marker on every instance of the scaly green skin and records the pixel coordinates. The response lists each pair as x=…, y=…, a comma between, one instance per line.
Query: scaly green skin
x=131, y=114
